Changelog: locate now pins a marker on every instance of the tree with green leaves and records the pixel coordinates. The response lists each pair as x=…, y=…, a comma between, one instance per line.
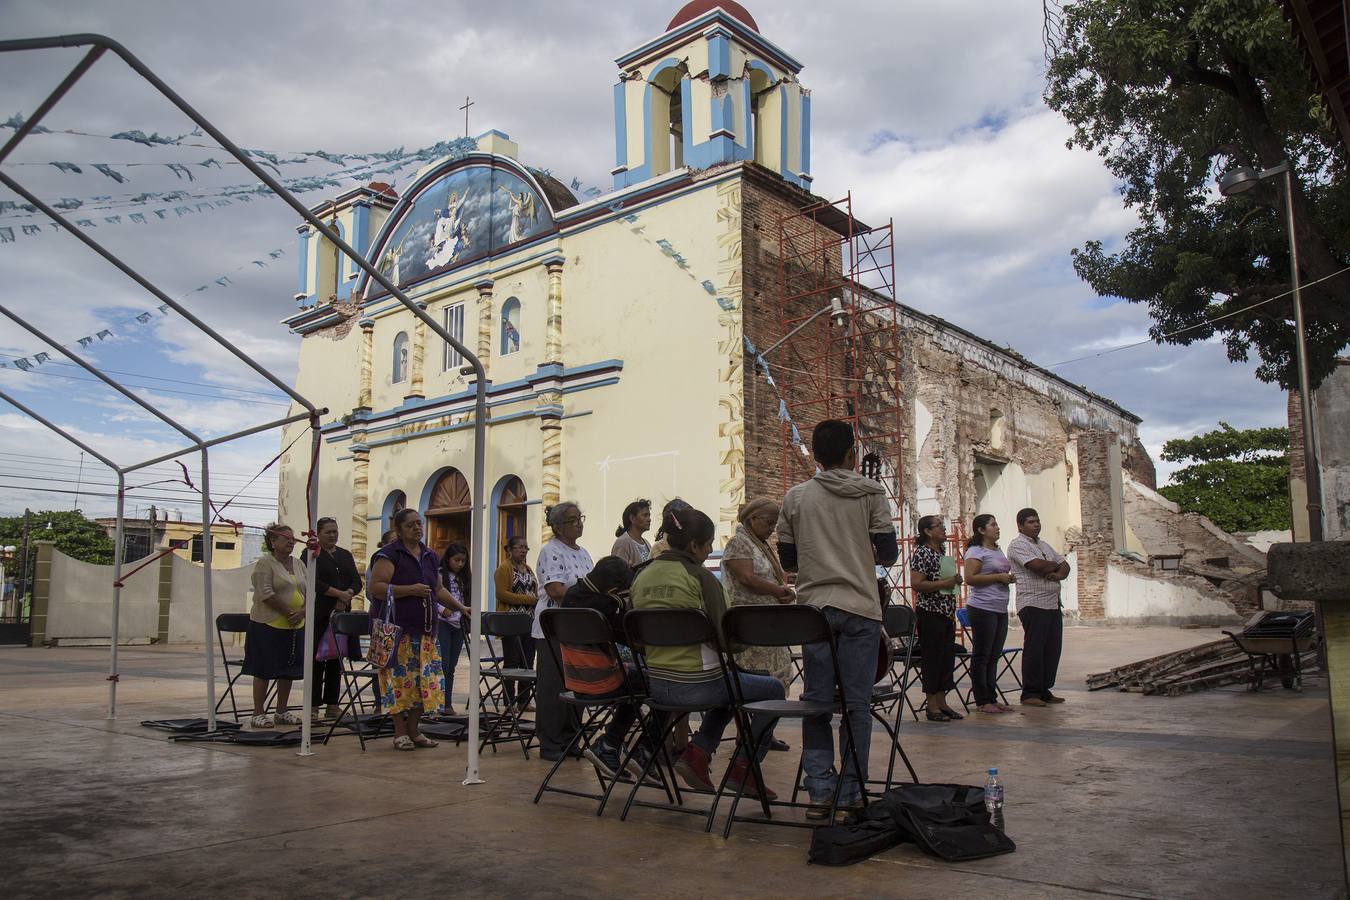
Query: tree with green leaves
x=1238, y=479
x=1172, y=95
x=75, y=536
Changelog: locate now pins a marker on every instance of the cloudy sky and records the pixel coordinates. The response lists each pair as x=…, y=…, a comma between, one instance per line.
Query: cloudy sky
x=931, y=114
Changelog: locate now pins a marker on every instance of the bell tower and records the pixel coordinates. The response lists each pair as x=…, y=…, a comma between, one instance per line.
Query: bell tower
x=710, y=90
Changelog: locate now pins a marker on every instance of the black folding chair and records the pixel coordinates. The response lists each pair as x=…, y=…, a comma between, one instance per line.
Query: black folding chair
x=357, y=675
x=648, y=628
x=888, y=695
x=504, y=724
x=230, y=623
x=784, y=626
x=900, y=623
x=587, y=627
x=234, y=623
x=1007, y=655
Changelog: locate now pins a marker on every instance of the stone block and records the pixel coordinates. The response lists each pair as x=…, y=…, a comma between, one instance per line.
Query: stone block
x=1313, y=572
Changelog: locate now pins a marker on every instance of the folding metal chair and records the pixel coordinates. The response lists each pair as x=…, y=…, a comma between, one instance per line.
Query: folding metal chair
x=234, y=623
x=230, y=623
x=1008, y=656
x=783, y=626
x=674, y=628
x=355, y=679
x=587, y=627
x=888, y=696
x=505, y=724
x=900, y=623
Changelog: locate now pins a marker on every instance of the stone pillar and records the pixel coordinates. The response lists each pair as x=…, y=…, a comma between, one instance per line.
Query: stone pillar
x=417, y=359
x=165, y=596
x=550, y=406
x=1098, y=511
x=42, y=593
x=1320, y=573
x=484, y=349
x=363, y=400
x=550, y=412
x=360, y=510
x=553, y=343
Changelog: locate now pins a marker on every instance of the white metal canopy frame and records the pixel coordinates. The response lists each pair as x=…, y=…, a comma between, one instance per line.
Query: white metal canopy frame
x=98, y=45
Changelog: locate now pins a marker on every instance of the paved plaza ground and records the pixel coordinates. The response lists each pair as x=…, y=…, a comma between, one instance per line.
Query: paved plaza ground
x=1220, y=794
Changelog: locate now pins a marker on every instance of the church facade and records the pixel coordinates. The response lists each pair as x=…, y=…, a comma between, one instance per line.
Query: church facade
x=617, y=331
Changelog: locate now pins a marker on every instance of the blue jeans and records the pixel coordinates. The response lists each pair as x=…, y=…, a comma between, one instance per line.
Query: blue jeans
x=450, y=638
x=858, y=642
x=716, y=719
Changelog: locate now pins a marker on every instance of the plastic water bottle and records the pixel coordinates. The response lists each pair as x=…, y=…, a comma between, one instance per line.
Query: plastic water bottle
x=993, y=798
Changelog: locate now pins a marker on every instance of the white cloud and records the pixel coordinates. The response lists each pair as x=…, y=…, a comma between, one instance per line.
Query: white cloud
x=929, y=113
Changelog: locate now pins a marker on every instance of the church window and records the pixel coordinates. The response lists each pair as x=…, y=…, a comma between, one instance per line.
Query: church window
x=666, y=122
x=401, y=357
x=453, y=321
x=510, y=326
x=761, y=94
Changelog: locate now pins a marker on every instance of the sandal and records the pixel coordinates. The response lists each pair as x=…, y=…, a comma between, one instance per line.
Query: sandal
x=289, y=718
x=403, y=742
x=423, y=741
x=939, y=716
x=952, y=715
x=263, y=721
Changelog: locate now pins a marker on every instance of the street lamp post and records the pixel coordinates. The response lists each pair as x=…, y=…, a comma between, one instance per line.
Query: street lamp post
x=1239, y=181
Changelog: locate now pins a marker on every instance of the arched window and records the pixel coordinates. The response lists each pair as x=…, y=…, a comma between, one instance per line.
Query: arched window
x=401, y=357
x=392, y=504
x=510, y=326
x=666, y=118
x=761, y=94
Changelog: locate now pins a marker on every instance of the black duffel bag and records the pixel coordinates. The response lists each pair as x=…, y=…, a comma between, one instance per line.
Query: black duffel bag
x=947, y=820
x=844, y=845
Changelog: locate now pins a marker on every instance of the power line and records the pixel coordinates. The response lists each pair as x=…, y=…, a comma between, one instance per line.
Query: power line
x=159, y=487
x=70, y=461
x=151, y=387
x=24, y=487
x=1162, y=337
x=209, y=384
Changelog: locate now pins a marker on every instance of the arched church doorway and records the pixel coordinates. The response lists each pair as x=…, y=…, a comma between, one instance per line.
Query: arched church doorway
x=447, y=512
x=510, y=514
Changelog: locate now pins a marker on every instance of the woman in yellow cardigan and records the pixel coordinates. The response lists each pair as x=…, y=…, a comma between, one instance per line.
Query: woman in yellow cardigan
x=517, y=592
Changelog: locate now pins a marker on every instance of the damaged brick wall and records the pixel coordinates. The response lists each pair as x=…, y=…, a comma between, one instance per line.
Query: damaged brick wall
x=766, y=200
x=1097, y=543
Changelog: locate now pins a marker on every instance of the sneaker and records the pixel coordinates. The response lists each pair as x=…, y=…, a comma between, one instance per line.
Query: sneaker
x=637, y=761
x=692, y=767
x=1033, y=701
x=604, y=757
x=264, y=721
x=1051, y=698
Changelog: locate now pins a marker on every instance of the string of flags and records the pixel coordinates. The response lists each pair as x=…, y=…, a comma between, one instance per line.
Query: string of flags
x=271, y=158
x=181, y=203
x=26, y=363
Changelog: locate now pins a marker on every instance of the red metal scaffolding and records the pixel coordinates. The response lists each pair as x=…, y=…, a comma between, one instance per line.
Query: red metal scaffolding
x=850, y=370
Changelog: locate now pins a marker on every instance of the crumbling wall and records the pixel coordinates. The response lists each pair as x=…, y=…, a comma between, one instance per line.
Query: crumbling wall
x=1219, y=565
x=1164, y=530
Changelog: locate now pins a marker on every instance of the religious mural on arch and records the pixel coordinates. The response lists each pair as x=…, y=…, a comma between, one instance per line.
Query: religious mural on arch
x=466, y=214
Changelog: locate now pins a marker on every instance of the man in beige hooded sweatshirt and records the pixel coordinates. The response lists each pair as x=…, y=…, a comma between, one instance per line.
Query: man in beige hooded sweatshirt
x=833, y=531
